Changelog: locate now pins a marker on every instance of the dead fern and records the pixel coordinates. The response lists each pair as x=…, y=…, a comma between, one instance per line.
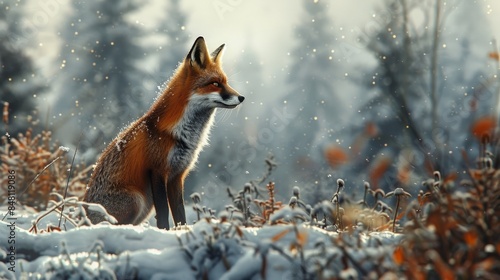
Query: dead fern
x=454, y=228
x=41, y=168
x=249, y=202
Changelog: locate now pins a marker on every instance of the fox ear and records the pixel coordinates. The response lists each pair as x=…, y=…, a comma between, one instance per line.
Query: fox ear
x=199, y=53
x=217, y=54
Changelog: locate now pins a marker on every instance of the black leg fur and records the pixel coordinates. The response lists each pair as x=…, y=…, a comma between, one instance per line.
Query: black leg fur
x=160, y=200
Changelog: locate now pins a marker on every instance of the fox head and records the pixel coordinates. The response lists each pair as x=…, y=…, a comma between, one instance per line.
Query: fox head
x=209, y=82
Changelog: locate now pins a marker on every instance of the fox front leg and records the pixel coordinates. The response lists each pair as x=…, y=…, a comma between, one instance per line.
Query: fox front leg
x=160, y=200
x=175, y=194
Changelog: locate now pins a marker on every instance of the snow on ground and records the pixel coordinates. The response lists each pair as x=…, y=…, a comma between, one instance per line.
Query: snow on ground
x=206, y=249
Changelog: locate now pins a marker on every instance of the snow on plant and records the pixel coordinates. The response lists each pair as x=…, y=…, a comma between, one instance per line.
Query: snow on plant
x=453, y=228
x=449, y=231
x=74, y=214
x=399, y=193
x=201, y=211
x=81, y=266
x=219, y=245
x=249, y=202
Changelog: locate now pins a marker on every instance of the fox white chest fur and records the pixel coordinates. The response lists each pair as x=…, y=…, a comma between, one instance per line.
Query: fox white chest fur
x=191, y=135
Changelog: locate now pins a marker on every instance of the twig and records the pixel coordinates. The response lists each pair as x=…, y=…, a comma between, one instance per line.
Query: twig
x=53, y=208
x=39, y=174
x=67, y=182
x=32, y=181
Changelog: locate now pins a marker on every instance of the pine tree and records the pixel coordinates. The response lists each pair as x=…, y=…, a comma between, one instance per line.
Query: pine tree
x=311, y=97
x=468, y=83
x=400, y=103
x=174, y=28
x=419, y=86
x=100, y=79
x=18, y=81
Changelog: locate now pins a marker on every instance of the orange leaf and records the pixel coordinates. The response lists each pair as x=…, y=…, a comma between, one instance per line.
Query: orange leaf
x=399, y=255
x=6, y=112
x=371, y=129
x=444, y=271
x=384, y=227
x=302, y=238
x=379, y=169
x=280, y=235
x=400, y=215
x=239, y=231
x=336, y=156
x=435, y=220
x=424, y=198
x=470, y=238
x=476, y=174
x=450, y=178
x=483, y=126
x=404, y=173
x=494, y=55
x=486, y=265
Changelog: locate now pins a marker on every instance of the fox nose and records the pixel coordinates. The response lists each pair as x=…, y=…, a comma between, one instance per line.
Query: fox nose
x=241, y=98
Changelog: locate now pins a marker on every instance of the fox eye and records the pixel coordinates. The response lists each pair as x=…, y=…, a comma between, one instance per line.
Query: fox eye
x=215, y=84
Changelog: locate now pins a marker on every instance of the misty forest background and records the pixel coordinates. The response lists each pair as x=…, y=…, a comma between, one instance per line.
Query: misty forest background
x=389, y=109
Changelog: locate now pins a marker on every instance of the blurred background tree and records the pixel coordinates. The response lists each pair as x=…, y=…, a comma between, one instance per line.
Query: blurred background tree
x=311, y=99
x=20, y=83
x=427, y=89
x=100, y=81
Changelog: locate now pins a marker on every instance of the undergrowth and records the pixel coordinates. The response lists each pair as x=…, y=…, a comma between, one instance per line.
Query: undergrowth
x=454, y=228
x=449, y=231
x=41, y=168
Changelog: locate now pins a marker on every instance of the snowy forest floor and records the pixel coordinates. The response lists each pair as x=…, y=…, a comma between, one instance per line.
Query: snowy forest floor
x=206, y=250
x=446, y=235
x=449, y=231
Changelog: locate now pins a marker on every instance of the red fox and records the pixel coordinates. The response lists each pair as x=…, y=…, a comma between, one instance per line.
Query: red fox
x=148, y=161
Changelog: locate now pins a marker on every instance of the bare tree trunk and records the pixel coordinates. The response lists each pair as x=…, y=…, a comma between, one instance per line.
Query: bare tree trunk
x=403, y=108
x=406, y=52
x=497, y=97
x=433, y=78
